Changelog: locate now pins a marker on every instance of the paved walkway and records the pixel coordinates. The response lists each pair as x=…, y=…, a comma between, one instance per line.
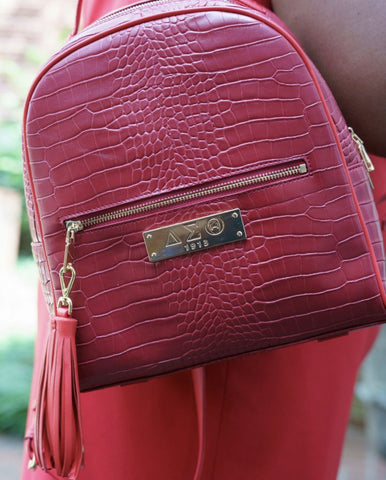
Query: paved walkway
x=11, y=451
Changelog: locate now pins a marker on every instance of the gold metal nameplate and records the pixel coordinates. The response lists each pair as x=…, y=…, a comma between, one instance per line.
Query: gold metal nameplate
x=194, y=235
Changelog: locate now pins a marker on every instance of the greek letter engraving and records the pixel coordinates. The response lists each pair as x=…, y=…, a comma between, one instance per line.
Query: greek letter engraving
x=172, y=239
x=194, y=232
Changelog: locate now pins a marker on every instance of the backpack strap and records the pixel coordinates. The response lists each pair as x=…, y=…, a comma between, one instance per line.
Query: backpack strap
x=77, y=18
x=198, y=376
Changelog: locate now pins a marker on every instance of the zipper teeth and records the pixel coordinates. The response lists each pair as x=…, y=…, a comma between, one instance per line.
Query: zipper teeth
x=124, y=10
x=202, y=192
x=362, y=150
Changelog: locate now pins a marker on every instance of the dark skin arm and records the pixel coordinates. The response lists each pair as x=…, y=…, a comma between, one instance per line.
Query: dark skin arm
x=346, y=39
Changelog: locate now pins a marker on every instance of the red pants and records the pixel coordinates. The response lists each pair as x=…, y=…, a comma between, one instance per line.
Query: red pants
x=273, y=415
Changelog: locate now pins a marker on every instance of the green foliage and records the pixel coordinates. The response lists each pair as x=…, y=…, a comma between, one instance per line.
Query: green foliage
x=15, y=80
x=25, y=235
x=11, y=172
x=16, y=77
x=16, y=360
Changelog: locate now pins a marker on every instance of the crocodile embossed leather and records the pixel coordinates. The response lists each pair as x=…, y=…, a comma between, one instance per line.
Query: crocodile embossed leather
x=194, y=194
x=169, y=112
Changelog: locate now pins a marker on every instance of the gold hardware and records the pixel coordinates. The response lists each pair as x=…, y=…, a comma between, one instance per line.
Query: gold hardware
x=363, y=153
x=194, y=235
x=66, y=289
x=362, y=150
x=65, y=302
x=73, y=226
x=67, y=268
x=225, y=186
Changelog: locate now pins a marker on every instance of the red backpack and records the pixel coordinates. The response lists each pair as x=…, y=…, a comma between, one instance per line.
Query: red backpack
x=194, y=194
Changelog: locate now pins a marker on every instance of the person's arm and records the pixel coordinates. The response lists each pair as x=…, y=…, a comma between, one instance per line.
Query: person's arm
x=346, y=39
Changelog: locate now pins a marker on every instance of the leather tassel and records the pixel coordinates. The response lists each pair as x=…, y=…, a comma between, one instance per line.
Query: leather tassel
x=58, y=442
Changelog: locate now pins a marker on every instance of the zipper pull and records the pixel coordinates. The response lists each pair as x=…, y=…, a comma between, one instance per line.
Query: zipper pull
x=363, y=153
x=67, y=268
x=73, y=226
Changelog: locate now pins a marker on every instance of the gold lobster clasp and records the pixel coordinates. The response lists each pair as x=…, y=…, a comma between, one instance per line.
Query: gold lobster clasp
x=65, y=299
x=67, y=273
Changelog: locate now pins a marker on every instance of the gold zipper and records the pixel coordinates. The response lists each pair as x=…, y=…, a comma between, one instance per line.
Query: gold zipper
x=363, y=153
x=268, y=176
x=67, y=272
x=124, y=10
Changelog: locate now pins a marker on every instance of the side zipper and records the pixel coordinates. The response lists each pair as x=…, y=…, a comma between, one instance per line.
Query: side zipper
x=363, y=153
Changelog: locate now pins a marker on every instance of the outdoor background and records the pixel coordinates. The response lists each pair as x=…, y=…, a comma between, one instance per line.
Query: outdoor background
x=30, y=31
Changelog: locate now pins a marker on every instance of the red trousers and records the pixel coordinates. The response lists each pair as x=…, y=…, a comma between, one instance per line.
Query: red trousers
x=270, y=416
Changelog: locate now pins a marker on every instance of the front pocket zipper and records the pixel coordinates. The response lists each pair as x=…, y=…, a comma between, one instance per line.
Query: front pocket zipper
x=268, y=175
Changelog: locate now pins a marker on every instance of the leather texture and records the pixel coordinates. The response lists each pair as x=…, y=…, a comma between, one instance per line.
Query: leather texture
x=159, y=100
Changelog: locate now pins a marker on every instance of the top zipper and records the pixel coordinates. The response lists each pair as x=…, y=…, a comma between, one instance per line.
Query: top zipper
x=122, y=11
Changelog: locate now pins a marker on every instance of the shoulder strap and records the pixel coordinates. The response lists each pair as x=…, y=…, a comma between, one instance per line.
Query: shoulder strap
x=198, y=375
x=77, y=18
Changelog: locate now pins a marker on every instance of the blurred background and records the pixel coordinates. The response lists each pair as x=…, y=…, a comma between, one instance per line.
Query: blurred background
x=30, y=31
